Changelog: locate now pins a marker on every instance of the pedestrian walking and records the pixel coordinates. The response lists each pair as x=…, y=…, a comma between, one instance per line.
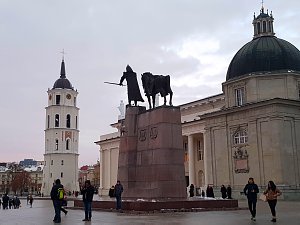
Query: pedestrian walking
x=192, y=190
x=30, y=200
x=17, y=202
x=223, y=191
x=87, y=192
x=57, y=197
x=272, y=193
x=118, y=194
x=251, y=190
x=5, y=200
x=229, y=192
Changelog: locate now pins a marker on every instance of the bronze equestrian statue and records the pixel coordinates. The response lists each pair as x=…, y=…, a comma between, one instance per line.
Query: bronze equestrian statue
x=154, y=84
x=133, y=89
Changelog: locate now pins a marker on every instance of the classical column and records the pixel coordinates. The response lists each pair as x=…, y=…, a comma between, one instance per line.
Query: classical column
x=109, y=183
x=191, y=159
x=101, y=171
x=208, y=165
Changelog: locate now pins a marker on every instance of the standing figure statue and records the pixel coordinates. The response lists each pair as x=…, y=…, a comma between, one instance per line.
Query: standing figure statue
x=133, y=89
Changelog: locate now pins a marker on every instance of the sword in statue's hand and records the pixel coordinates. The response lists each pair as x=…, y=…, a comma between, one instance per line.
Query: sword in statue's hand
x=114, y=83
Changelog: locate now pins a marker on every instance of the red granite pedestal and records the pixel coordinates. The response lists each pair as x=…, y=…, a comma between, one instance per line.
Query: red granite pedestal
x=151, y=157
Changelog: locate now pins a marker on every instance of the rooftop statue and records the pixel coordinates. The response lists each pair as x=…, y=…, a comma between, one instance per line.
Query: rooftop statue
x=154, y=84
x=133, y=89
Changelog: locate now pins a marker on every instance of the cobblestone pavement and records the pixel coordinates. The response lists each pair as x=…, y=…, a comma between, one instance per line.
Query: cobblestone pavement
x=42, y=214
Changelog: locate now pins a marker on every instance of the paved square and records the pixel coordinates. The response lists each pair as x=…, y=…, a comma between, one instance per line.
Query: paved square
x=42, y=214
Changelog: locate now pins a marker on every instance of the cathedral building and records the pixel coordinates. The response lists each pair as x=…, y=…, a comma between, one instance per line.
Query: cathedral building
x=61, y=136
x=252, y=129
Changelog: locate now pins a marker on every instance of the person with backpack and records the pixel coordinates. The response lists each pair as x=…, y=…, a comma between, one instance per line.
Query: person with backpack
x=57, y=196
x=87, y=192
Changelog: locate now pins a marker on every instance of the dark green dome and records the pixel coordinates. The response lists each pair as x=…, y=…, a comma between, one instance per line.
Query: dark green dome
x=264, y=54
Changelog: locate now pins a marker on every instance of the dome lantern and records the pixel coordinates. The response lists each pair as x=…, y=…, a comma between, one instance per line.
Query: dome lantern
x=263, y=24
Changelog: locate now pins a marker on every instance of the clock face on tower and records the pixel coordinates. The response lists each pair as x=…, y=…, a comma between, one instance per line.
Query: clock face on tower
x=68, y=96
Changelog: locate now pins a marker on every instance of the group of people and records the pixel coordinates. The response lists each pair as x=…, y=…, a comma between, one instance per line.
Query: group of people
x=226, y=192
x=87, y=191
x=10, y=203
x=271, y=193
x=250, y=190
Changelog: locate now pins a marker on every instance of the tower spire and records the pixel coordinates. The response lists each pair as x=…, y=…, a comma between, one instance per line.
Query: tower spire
x=63, y=69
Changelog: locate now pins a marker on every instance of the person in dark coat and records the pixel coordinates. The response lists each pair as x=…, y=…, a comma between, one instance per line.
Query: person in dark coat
x=192, y=190
x=87, y=196
x=17, y=202
x=251, y=190
x=30, y=200
x=223, y=191
x=210, y=192
x=111, y=192
x=5, y=200
x=229, y=192
x=133, y=89
x=118, y=194
x=56, y=201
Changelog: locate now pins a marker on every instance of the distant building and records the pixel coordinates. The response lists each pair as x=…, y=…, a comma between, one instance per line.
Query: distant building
x=61, y=136
x=28, y=162
x=91, y=173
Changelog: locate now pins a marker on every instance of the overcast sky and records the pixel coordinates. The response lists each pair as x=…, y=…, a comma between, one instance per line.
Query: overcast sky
x=191, y=40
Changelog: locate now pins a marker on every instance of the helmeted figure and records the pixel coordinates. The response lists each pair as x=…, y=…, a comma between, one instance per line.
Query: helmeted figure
x=133, y=89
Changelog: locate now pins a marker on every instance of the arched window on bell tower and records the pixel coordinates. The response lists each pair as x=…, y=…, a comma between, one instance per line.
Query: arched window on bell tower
x=68, y=144
x=68, y=122
x=56, y=120
x=48, y=121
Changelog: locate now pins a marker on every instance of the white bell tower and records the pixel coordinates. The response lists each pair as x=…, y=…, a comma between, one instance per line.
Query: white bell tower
x=61, y=136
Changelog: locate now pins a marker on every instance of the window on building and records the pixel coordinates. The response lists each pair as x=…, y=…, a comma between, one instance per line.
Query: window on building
x=269, y=26
x=185, y=148
x=258, y=28
x=68, y=144
x=61, y=174
x=51, y=162
x=62, y=162
x=48, y=121
x=239, y=96
x=74, y=101
x=56, y=120
x=264, y=26
x=57, y=102
x=199, y=150
x=56, y=144
x=68, y=122
x=76, y=122
x=50, y=175
x=240, y=137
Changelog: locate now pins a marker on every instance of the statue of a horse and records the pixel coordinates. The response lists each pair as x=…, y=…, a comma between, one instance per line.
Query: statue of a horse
x=154, y=84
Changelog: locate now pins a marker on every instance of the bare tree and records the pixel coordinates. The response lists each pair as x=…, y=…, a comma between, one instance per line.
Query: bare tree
x=21, y=181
